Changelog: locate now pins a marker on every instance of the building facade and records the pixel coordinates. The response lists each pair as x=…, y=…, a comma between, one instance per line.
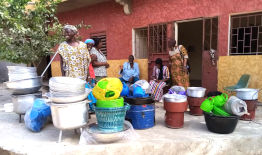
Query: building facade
x=213, y=31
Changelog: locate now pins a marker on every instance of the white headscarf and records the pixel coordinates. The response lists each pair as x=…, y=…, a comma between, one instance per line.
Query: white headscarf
x=71, y=27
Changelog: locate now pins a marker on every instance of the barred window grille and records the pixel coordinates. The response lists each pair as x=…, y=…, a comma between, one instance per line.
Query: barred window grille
x=157, y=38
x=246, y=34
x=102, y=36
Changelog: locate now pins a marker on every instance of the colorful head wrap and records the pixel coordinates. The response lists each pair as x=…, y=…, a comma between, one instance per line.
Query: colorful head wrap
x=90, y=41
x=71, y=27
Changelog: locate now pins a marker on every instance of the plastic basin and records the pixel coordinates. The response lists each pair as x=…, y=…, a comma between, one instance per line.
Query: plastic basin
x=110, y=103
x=220, y=124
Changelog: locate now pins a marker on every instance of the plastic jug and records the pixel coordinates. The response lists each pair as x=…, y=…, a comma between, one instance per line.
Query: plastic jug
x=236, y=106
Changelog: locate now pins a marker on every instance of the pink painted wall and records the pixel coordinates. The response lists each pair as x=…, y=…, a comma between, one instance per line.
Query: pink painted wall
x=109, y=17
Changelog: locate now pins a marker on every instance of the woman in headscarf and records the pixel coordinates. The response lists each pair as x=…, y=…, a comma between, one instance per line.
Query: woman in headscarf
x=99, y=60
x=179, y=57
x=90, y=43
x=159, y=78
x=74, y=55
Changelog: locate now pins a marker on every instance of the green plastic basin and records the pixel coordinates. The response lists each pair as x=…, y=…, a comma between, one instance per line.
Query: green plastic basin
x=119, y=102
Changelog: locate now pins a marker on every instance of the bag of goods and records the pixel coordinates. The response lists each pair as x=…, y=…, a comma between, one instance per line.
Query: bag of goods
x=37, y=116
x=108, y=89
x=125, y=91
x=236, y=106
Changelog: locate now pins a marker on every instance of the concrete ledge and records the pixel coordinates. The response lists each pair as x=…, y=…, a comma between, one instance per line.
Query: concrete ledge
x=194, y=138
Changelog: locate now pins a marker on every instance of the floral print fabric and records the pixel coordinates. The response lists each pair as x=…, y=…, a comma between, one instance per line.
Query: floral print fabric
x=76, y=60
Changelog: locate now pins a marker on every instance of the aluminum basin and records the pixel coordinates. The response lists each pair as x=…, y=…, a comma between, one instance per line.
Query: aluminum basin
x=70, y=115
x=25, y=86
x=196, y=91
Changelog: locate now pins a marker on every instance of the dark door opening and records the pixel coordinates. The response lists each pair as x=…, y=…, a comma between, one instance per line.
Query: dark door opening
x=190, y=34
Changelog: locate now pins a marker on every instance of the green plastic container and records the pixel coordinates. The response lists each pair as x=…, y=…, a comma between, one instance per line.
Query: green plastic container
x=207, y=105
x=119, y=102
x=220, y=100
x=220, y=112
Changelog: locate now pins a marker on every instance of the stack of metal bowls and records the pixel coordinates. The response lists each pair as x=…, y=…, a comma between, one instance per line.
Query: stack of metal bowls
x=19, y=73
x=24, y=84
x=69, y=106
x=66, y=87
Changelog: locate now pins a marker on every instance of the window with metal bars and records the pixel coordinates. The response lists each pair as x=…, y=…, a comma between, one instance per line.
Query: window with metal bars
x=102, y=36
x=141, y=43
x=157, y=38
x=246, y=34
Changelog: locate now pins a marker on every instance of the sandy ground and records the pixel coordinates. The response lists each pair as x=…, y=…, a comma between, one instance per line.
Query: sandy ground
x=193, y=138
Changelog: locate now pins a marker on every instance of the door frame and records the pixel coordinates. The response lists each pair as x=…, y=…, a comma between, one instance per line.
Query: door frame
x=177, y=38
x=183, y=21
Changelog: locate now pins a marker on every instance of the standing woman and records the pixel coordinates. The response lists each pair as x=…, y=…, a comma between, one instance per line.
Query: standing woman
x=74, y=55
x=159, y=78
x=99, y=60
x=90, y=43
x=179, y=57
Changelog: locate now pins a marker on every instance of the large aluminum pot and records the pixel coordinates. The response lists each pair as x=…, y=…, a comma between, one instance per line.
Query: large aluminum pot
x=196, y=91
x=70, y=115
x=22, y=103
x=67, y=84
x=247, y=93
x=26, y=86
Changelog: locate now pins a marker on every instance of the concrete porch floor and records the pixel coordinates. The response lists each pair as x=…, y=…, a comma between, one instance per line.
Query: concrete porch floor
x=194, y=138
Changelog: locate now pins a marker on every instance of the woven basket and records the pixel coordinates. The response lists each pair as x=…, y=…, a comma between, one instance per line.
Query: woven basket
x=111, y=119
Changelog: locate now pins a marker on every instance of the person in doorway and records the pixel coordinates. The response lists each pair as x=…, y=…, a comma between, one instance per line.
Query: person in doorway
x=99, y=61
x=129, y=71
x=179, y=68
x=74, y=55
x=159, y=78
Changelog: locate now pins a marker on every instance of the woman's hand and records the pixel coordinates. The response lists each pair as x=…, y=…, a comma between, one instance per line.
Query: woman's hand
x=106, y=65
x=121, y=67
x=131, y=79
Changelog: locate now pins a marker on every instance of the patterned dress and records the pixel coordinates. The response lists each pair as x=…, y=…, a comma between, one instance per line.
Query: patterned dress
x=76, y=60
x=157, y=87
x=179, y=77
x=100, y=71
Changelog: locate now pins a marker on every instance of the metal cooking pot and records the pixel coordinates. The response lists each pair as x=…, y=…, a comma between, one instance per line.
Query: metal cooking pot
x=196, y=91
x=247, y=93
x=26, y=86
x=70, y=115
x=22, y=103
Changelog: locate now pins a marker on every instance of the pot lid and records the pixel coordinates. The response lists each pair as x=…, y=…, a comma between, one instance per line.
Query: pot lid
x=247, y=89
x=175, y=98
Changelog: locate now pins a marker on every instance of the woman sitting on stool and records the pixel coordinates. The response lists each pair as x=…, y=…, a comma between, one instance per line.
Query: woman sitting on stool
x=129, y=71
x=159, y=78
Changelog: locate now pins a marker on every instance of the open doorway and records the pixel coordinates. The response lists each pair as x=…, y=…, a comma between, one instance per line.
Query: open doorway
x=189, y=34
